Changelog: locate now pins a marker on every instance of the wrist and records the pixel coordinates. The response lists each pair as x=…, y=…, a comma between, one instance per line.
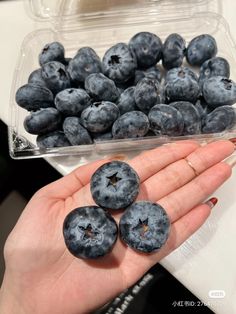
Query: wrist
x=10, y=302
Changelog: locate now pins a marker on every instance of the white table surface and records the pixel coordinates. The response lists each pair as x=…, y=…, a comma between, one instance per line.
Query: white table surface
x=207, y=261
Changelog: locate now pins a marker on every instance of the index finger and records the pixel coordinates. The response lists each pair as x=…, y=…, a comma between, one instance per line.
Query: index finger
x=150, y=162
x=146, y=164
x=72, y=182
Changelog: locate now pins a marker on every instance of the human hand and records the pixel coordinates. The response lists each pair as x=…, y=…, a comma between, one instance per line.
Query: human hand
x=43, y=277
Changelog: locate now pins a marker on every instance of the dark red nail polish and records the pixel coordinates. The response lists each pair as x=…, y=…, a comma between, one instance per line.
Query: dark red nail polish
x=212, y=202
x=233, y=140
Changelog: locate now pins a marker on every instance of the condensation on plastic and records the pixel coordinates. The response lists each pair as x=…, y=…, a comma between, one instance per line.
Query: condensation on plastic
x=100, y=25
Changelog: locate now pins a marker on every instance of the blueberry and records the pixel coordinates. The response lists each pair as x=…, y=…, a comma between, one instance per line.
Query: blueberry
x=126, y=84
x=52, y=139
x=36, y=78
x=145, y=226
x=200, y=49
x=147, y=48
x=219, y=91
x=191, y=117
x=43, y=121
x=147, y=94
x=166, y=120
x=67, y=61
x=98, y=137
x=221, y=119
x=114, y=185
x=72, y=101
x=89, y=232
x=83, y=64
x=130, y=125
x=34, y=97
x=119, y=63
x=75, y=132
x=56, y=77
x=181, y=71
x=173, y=51
x=52, y=52
x=121, y=89
x=214, y=67
x=99, y=87
x=181, y=85
x=153, y=73
x=100, y=116
x=126, y=101
x=150, y=133
x=202, y=107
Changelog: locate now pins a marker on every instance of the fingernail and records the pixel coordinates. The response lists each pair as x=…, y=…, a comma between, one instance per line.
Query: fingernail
x=231, y=161
x=233, y=140
x=117, y=157
x=212, y=202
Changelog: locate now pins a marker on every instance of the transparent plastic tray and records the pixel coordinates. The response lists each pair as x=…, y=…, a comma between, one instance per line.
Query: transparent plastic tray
x=100, y=24
x=58, y=10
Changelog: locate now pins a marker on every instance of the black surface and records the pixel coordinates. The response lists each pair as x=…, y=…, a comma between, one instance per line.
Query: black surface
x=158, y=292
x=25, y=176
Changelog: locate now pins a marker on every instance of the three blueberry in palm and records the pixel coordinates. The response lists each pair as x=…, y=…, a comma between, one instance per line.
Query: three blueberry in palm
x=91, y=232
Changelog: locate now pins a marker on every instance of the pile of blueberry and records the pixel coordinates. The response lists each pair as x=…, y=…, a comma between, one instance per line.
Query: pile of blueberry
x=79, y=100
x=91, y=231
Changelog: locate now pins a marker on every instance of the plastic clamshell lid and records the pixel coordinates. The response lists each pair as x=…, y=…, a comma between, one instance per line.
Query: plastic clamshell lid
x=54, y=10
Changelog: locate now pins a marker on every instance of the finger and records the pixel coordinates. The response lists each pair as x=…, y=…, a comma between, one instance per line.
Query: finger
x=164, y=185
x=180, y=201
x=186, y=226
x=171, y=177
x=74, y=181
x=149, y=162
x=179, y=173
x=217, y=151
x=146, y=164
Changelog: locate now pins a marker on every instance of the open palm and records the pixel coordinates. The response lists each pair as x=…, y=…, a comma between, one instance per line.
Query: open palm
x=48, y=279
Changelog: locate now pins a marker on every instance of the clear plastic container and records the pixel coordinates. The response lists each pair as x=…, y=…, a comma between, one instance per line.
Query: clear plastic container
x=100, y=24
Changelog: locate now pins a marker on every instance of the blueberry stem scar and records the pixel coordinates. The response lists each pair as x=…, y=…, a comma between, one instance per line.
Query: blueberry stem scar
x=142, y=226
x=88, y=232
x=113, y=179
x=114, y=59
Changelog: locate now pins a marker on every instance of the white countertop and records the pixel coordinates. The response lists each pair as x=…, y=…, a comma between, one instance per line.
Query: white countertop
x=207, y=261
